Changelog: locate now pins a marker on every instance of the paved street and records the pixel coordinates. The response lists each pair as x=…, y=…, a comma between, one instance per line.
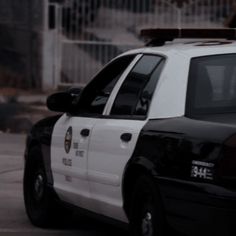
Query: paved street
x=13, y=220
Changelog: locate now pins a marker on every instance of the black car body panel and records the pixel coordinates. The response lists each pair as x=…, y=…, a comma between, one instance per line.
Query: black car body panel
x=170, y=149
x=40, y=136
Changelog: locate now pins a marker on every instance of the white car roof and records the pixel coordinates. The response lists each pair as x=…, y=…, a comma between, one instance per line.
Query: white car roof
x=191, y=48
x=170, y=95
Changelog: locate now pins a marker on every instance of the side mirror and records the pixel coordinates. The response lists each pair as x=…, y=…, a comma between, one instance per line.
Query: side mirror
x=63, y=101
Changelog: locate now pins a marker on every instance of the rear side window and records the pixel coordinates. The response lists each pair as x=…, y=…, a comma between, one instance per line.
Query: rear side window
x=212, y=85
x=135, y=94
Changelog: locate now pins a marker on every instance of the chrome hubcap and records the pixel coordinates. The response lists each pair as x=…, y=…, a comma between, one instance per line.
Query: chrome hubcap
x=147, y=229
x=38, y=187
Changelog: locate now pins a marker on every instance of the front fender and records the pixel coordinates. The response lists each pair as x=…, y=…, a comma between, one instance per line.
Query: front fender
x=40, y=136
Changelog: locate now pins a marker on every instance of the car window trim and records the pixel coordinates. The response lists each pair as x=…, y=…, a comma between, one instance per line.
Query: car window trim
x=125, y=117
x=114, y=117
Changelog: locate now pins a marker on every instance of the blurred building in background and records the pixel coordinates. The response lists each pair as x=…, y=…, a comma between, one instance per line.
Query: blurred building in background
x=21, y=30
x=50, y=43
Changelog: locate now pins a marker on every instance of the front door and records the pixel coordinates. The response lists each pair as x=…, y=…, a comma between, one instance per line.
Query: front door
x=69, y=158
x=72, y=134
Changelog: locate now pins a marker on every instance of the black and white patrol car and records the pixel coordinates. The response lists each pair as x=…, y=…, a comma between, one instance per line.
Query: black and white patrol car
x=150, y=141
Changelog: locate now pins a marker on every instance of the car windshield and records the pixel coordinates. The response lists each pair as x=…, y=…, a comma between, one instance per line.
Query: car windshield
x=212, y=85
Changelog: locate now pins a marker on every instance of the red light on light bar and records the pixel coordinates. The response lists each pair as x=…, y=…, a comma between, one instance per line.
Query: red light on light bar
x=170, y=34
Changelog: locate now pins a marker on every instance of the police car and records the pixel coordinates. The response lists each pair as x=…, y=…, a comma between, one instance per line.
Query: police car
x=149, y=142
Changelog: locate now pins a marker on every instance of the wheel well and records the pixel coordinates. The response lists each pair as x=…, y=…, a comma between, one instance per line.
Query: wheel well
x=31, y=145
x=34, y=144
x=45, y=158
x=130, y=177
x=31, y=150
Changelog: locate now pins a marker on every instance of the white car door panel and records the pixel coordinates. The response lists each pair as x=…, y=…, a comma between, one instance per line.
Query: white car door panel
x=70, y=169
x=107, y=157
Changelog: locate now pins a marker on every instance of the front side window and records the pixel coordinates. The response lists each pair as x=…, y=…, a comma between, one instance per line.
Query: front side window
x=96, y=94
x=135, y=94
x=212, y=85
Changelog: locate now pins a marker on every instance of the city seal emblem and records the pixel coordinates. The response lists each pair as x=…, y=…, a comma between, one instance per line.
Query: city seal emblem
x=68, y=140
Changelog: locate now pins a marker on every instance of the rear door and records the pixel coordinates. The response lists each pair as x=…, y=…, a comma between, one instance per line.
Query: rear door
x=115, y=135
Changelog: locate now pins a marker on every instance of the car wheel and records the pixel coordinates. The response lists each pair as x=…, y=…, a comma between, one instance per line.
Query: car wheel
x=38, y=198
x=146, y=213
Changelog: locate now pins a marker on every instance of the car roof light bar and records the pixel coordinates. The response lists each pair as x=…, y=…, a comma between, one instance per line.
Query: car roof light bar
x=160, y=36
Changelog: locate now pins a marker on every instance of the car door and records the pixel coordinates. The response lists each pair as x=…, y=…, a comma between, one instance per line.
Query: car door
x=72, y=133
x=114, y=136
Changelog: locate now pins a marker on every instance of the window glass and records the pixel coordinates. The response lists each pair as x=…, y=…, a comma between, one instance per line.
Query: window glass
x=95, y=95
x=135, y=94
x=146, y=95
x=212, y=84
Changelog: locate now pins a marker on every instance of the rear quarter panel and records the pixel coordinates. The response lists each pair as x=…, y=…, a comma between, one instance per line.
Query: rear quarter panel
x=170, y=148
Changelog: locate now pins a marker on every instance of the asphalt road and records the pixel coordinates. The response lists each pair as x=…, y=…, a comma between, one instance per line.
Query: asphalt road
x=13, y=219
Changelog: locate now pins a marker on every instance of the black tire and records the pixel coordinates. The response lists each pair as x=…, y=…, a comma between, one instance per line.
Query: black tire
x=39, y=199
x=146, y=213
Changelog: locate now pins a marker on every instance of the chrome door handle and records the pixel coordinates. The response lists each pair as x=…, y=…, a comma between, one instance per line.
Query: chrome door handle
x=126, y=137
x=85, y=132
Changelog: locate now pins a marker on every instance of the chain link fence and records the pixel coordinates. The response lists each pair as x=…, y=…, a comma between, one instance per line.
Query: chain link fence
x=91, y=32
x=86, y=34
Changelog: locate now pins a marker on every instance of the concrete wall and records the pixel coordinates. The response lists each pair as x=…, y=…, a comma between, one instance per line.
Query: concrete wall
x=21, y=32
